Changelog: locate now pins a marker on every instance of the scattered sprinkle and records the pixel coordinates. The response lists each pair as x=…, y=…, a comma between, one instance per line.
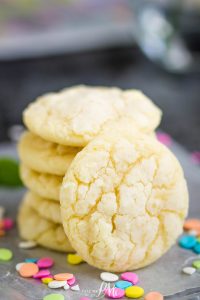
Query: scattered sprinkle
x=189, y=270
x=42, y=273
x=193, y=232
x=5, y=254
x=164, y=138
x=66, y=286
x=34, y=260
x=75, y=288
x=28, y=270
x=18, y=266
x=123, y=284
x=129, y=276
x=196, y=248
x=45, y=262
x=196, y=264
x=74, y=259
x=54, y=297
x=187, y=241
x=114, y=293
x=27, y=245
x=7, y=223
x=46, y=280
x=85, y=298
x=71, y=281
x=109, y=277
x=196, y=157
x=192, y=224
x=154, y=296
x=134, y=292
x=63, y=276
x=55, y=284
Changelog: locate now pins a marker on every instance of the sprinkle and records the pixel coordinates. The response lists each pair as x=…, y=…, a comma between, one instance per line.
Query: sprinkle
x=63, y=276
x=34, y=260
x=196, y=248
x=122, y=284
x=196, y=264
x=71, y=281
x=192, y=224
x=74, y=259
x=55, y=284
x=189, y=270
x=114, y=293
x=196, y=157
x=8, y=223
x=5, y=254
x=85, y=298
x=154, y=296
x=28, y=270
x=129, y=276
x=54, y=297
x=193, y=232
x=27, y=245
x=46, y=280
x=42, y=273
x=66, y=286
x=187, y=241
x=75, y=288
x=164, y=138
x=2, y=232
x=18, y=266
x=109, y=277
x=134, y=292
x=45, y=262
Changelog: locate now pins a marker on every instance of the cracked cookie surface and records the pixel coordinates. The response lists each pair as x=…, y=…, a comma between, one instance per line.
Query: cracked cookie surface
x=123, y=201
x=42, y=184
x=43, y=156
x=32, y=226
x=74, y=116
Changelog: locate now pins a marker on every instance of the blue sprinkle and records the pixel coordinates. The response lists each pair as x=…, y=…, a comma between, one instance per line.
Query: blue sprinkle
x=197, y=248
x=187, y=241
x=31, y=260
x=123, y=284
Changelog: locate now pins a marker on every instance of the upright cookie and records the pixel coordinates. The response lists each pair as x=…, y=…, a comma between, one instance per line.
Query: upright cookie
x=43, y=184
x=74, y=116
x=43, y=156
x=36, y=228
x=123, y=201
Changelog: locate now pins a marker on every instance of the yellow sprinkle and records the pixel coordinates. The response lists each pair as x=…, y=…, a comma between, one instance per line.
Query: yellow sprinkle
x=134, y=292
x=74, y=259
x=46, y=280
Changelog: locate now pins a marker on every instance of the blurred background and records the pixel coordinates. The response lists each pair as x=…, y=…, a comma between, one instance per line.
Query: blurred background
x=149, y=45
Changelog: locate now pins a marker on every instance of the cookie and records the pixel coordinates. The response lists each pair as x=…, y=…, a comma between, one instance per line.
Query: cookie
x=123, y=201
x=36, y=228
x=43, y=156
x=46, y=208
x=74, y=116
x=42, y=184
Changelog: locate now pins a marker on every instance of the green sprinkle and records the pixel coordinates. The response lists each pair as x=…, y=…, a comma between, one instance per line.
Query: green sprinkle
x=196, y=264
x=5, y=254
x=9, y=172
x=54, y=297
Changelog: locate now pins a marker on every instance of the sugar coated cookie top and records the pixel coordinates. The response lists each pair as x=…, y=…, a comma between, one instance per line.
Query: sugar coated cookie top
x=74, y=116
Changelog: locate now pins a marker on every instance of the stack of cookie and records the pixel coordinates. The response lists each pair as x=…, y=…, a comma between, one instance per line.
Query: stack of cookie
x=123, y=194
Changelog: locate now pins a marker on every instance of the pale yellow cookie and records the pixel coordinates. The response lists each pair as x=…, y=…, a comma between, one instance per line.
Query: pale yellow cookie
x=43, y=156
x=42, y=184
x=74, y=116
x=36, y=228
x=123, y=201
x=46, y=208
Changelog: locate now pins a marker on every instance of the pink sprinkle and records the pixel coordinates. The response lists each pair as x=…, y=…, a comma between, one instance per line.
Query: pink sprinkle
x=164, y=138
x=114, y=293
x=85, y=298
x=196, y=157
x=45, y=262
x=71, y=281
x=8, y=223
x=131, y=277
x=41, y=274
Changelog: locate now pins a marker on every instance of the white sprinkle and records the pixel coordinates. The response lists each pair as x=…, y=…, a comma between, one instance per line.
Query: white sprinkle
x=192, y=232
x=27, y=245
x=2, y=212
x=18, y=266
x=66, y=286
x=189, y=270
x=75, y=288
x=109, y=277
x=55, y=284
